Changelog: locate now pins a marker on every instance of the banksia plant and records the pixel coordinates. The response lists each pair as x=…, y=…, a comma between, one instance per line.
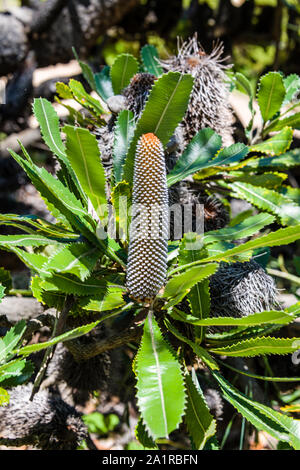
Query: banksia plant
x=148, y=245
x=209, y=105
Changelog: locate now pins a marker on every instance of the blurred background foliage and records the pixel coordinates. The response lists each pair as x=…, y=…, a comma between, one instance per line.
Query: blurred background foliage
x=258, y=35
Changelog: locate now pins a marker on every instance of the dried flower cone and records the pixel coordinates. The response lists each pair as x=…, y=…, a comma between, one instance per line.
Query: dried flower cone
x=209, y=101
x=148, y=246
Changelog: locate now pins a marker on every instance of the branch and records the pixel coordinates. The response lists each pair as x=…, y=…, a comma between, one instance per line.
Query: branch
x=83, y=352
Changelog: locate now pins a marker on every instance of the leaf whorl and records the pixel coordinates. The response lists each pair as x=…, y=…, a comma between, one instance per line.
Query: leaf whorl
x=148, y=246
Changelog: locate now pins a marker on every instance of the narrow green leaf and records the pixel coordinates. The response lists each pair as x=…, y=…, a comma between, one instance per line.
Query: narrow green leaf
x=246, y=228
x=150, y=60
x=49, y=124
x=8, y=241
x=292, y=86
x=280, y=317
x=277, y=144
x=202, y=353
x=121, y=198
x=11, y=339
x=85, y=99
x=200, y=423
x=198, y=154
x=259, y=346
x=103, y=83
x=84, y=156
x=122, y=70
x=124, y=131
x=72, y=334
x=270, y=201
x=283, y=236
x=78, y=259
x=71, y=285
x=160, y=385
x=199, y=296
x=278, y=425
x=164, y=109
x=4, y=397
x=289, y=159
x=178, y=286
x=109, y=300
x=292, y=121
x=271, y=93
x=143, y=437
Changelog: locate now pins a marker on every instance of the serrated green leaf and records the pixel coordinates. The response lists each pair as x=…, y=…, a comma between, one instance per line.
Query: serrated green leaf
x=103, y=83
x=178, y=286
x=78, y=259
x=84, y=156
x=271, y=93
x=292, y=121
x=4, y=397
x=199, y=296
x=143, y=437
x=283, y=236
x=198, y=154
x=49, y=124
x=86, y=71
x=268, y=200
x=2, y=292
x=38, y=226
x=280, y=317
x=164, y=109
x=292, y=86
x=34, y=261
x=160, y=384
x=259, y=346
x=121, y=198
x=122, y=70
x=8, y=241
x=70, y=285
x=10, y=340
x=277, y=144
x=150, y=58
x=16, y=373
x=246, y=228
x=59, y=200
x=200, y=423
x=266, y=180
x=64, y=91
x=72, y=334
x=262, y=417
x=282, y=162
x=109, y=300
x=124, y=131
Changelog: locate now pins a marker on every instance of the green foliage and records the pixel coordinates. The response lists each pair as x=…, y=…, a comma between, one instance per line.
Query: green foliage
x=165, y=107
x=160, y=387
x=122, y=70
x=99, y=424
x=76, y=255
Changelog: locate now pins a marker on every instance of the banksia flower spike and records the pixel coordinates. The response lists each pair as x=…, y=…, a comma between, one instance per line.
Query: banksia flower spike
x=148, y=246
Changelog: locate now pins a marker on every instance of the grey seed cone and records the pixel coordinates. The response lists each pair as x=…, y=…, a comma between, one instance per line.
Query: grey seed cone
x=148, y=245
x=209, y=101
x=241, y=289
x=47, y=422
